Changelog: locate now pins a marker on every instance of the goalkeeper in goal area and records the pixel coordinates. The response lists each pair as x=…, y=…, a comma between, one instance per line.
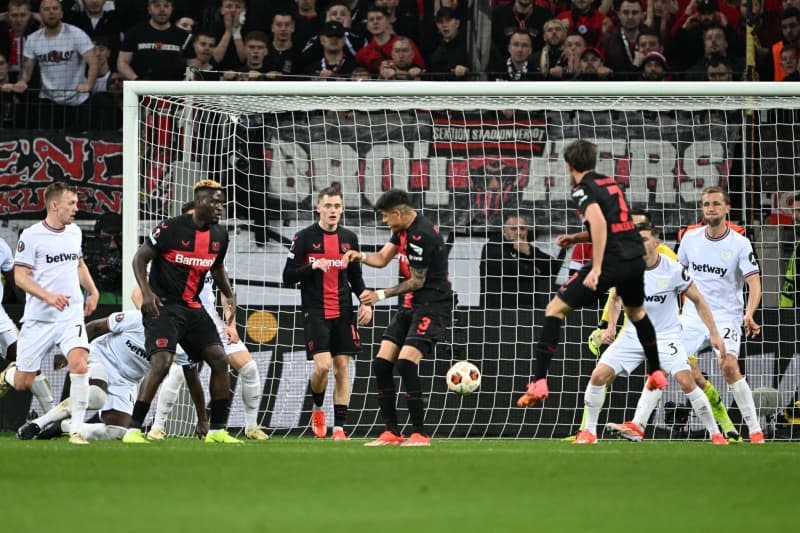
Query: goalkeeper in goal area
x=617, y=261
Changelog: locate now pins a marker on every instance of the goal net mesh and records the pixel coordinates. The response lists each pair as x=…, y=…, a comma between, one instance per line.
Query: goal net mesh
x=469, y=161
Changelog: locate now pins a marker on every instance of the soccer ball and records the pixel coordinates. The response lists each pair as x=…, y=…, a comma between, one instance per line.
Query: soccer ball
x=463, y=378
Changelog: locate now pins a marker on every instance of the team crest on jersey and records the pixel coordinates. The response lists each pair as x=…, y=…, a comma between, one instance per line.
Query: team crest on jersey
x=310, y=345
x=215, y=246
x=345, y=247
x=725, y=255
x=20, y=246
x=119, y=317
x=662, y=283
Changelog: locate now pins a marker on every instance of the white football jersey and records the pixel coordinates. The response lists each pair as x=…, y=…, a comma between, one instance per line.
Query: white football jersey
x=7, y=266
x=663, y=285
x=53, y=257
x=719, y=267
x=123, y=347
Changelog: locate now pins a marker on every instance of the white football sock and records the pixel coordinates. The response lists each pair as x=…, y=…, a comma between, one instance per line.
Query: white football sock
x=59, y=412
x=744, y=399
x=702, y=407
x=168, y=395
x=94, y=432
x=593, y=400
x=251, y=393
x=78, y=399
x=10, y=373
x=41, y=389
x=115, y=432
x=644, y=407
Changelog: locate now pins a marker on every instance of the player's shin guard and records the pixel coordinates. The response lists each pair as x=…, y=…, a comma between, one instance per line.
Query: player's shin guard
x=42, y=391
x=78, y=399
x=387, y=396
x=251, y=393
x=744, y=399
x=220, y=409
x=409, y=373
x=168, y=395
x=702, y=407
x=718, y=408
x=547, y=346
x=647, y=338
x=645, y=406
x=593, y=401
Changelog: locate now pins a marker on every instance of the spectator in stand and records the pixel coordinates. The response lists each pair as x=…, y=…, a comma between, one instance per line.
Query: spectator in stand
x=229, y=51
x=255, y=66
x=380, y=44
x=520, y=15
x=8, y=100
x=715, y=42
x=103, y=51
x=335, y=62
x=201, y=65
x=102, y=252
x=547, y=59
x=360, y=74
x=429, y=37
x=569, y=63
x=154, y=50
x=493, y=190
x=19, y=24
x=660, y=16
x=718, y=68
x=403, y=17
x=185, y=23
x=654, y=67
x=358, y=15
x=282, y=57
x=515, y=274
x=790, y=29
x=401, y=66
x=766, y=19
x=339, y=12
x=592, y=66
x=67, y=67
x=686, y=46
x=450, y=60
x=307, y=22
x=518, y=64
x=620, y=44
x=96, y=20
x=586, y=20
x=789, y=63
x=648, y=41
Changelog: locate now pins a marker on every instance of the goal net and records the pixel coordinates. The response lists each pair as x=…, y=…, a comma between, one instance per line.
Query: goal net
x=470, y=155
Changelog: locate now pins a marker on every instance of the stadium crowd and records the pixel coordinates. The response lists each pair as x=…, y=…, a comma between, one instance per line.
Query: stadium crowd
x=58, y=58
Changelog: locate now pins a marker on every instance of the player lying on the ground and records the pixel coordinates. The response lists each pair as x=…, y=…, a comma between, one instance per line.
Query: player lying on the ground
x=665, y=280
x=117, y=363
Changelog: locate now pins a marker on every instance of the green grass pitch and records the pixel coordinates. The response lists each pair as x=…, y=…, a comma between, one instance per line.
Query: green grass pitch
x=291, y=484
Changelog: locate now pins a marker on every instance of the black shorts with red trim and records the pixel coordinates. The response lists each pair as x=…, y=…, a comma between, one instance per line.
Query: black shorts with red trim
x=421, y=326
x=626, y=276
x=178, y=323
x=339, y=336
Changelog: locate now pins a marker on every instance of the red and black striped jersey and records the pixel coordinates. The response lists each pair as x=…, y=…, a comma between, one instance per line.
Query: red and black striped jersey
x=421, y=246
x=623, y=240
x=325, y=293
x=185, y=254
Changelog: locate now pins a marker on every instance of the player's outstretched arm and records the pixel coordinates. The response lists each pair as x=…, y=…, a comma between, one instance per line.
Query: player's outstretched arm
x=378, y=259
x=98, y=327
x=571, y=239
x=86, y=281
x=597, y=227
x=704, y=311
x=751, y=327
x=198, y=399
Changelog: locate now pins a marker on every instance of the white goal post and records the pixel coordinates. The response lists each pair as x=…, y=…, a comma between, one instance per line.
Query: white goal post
x=470, y=154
